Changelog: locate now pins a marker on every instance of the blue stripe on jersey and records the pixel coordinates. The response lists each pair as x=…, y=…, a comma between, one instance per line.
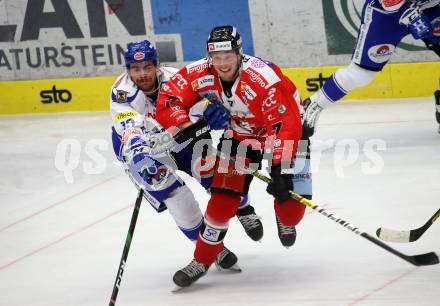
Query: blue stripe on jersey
x=117, y=144
x=332, y=90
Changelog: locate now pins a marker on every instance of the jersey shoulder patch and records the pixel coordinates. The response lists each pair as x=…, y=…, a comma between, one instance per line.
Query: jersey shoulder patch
x=124, y=90
x=259, y=72
x=197, y=66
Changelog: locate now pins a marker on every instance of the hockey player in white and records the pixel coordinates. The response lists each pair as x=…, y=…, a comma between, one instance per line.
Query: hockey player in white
x=384, y=24
x=142, y=145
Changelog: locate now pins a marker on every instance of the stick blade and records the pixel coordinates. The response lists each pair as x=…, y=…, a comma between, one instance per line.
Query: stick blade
x=427, y=259
x=391, y=235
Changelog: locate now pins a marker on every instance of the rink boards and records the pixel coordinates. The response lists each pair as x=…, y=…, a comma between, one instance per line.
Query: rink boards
x=402, y=80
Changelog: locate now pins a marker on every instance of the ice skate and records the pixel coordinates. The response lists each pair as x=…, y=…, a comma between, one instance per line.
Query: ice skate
x=250, y=222
x=191, y=273
x=287, y=234
x=226, y=260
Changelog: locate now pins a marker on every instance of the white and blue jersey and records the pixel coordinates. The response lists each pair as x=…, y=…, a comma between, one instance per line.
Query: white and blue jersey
x=384, y=24
x=381, y=30
x=130, y=108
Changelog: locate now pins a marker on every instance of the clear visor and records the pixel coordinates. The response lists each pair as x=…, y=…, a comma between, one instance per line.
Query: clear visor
x=223, y=57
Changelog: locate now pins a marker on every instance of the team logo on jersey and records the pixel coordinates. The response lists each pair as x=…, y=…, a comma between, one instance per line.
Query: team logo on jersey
x=257, y=63
x=250, y=94
x=381, y=53
x=121, y=96
x=182, y=82
x=247, y=92
x=155, y=175
x=281, y=109
x=436, y=26
x=139, y=56
x=270, y=101
x=202, y=82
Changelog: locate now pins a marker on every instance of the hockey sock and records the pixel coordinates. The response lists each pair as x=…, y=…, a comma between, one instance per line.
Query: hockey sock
x=290, y=213
x=332, y=90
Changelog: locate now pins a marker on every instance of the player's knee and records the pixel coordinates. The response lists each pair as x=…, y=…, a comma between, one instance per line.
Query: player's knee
x=222, y=207
x=354, y=76
x=184, y=208
x=290, y=213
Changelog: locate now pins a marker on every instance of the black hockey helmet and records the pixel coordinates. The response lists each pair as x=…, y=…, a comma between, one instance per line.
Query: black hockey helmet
x=224, y=38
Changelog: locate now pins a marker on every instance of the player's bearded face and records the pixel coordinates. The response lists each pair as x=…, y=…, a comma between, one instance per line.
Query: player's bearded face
x=226, y=63
x=144, y=75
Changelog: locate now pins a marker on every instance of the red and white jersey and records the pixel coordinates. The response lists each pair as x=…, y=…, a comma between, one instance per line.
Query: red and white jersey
x=262, y=102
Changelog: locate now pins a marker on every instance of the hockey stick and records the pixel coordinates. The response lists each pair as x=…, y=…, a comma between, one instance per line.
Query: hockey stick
x=130, y=233
x=430, y=258
x=391, y=235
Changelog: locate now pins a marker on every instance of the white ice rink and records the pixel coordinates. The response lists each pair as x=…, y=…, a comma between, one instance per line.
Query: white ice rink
x=61, y=242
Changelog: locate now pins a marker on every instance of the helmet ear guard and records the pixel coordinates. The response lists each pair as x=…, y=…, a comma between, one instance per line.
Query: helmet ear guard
x=139, y=52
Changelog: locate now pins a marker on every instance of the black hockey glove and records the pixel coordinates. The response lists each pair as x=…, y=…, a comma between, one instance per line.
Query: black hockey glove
x=193, y=133
x=281, y=184
x=188, y=146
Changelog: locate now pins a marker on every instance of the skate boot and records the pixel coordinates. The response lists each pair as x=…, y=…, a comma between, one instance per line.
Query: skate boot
x=437, y=107
x=226, y=260
x=250, y=222
x=188, y=275
x=287, y=234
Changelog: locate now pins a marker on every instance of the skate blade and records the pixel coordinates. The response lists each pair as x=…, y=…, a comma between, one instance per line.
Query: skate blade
x=234, y=268
x=178, y=289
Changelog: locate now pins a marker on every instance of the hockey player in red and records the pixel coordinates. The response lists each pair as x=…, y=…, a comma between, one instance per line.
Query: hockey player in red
x=259, y=108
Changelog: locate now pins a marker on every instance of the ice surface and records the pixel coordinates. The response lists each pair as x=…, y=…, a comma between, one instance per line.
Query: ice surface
x=61, y=242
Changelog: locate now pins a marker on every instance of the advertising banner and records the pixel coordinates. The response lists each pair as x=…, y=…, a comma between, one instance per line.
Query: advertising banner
x=63, y=55
x=93, y=93
x=41, y=39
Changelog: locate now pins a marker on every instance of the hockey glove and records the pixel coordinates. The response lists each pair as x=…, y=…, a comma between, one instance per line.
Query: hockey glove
x=192, y=143
x=311, y=115
x=157, y=143
x=217, y=116
x=153, y=145
x=418, y=23
x=281, y=184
